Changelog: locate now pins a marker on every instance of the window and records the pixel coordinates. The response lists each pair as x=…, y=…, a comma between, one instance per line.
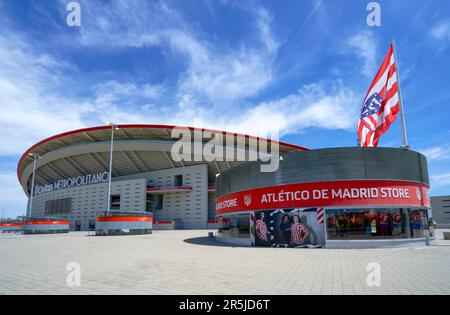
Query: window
x=235, y=226
x=115, y=202
x=178, y=180
x=376, y=223
x=155, y=202
x=58, y=206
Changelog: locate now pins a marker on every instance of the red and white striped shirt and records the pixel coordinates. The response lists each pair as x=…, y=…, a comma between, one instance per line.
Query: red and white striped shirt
x=298, y=231
x=261, y=230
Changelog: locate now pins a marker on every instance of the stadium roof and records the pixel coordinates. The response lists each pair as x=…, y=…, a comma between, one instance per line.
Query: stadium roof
x=138, y=148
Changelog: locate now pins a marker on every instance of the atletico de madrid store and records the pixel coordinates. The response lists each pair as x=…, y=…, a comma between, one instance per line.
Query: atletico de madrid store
x=337, y=198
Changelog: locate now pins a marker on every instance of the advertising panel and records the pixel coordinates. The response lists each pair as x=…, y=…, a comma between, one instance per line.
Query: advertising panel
x=326, y=194
x=292, y=227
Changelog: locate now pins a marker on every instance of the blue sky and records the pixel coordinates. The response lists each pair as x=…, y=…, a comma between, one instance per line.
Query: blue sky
x=302, y=66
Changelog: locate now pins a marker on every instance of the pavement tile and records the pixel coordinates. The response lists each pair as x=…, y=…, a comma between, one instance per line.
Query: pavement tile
x=187, y=262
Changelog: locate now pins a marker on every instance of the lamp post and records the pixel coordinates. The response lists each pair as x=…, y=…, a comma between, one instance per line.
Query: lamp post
x=113, y=127
x=35, y=157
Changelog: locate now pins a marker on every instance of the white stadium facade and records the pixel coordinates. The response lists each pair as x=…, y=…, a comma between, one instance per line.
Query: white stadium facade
x=72, y=174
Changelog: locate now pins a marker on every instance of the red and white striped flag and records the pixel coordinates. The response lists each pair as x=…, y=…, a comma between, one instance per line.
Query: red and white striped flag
x=382, y=103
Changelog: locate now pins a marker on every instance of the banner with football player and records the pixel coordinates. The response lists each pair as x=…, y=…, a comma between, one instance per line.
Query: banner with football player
x=296, y=228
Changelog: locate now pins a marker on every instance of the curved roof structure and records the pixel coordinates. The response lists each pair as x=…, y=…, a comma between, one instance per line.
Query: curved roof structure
x=137, y=149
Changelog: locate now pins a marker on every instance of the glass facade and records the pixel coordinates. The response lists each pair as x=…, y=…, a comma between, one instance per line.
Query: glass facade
x=234, y=226
x=380, y=223
x=58, y=206
x=340, y=224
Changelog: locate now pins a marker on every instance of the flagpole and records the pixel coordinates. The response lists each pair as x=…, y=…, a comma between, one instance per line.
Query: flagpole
x=402, y=113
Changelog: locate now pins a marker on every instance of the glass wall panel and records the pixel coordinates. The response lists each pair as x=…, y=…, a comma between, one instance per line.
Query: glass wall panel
x=235, y=226
x=382, y=223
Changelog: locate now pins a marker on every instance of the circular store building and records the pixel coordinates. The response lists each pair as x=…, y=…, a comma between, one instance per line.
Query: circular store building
x=340, y=197
x=72, y=174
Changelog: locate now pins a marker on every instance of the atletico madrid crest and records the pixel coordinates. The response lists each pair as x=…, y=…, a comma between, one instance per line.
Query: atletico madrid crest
x=419, y=194
x=247, y=200
x=372, y=105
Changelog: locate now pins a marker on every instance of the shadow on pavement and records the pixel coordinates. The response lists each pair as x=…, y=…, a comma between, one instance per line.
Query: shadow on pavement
x=208, y=241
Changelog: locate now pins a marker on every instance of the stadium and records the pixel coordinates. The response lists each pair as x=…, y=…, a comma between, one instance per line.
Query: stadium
x=72, y=173
x=340, y=197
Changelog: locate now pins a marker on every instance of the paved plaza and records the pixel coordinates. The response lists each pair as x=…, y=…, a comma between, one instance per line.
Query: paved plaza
x=187, y=262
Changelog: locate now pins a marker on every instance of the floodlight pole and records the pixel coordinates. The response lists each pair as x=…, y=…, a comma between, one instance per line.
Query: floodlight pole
x=35, y=157
x=113, y=127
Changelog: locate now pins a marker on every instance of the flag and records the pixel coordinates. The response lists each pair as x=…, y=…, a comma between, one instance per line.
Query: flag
x=382, y=103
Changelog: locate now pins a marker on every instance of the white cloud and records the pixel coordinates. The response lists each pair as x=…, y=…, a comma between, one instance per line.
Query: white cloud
x=34, y=103
x=227, y=75
x=227, y=78
x=441, y=30
x=312, y=106
x=114, y=91
x=29, y=107
x=264, y=22
x=437, y=153
x=211, y=92
x=214, y=73
x=364, y=47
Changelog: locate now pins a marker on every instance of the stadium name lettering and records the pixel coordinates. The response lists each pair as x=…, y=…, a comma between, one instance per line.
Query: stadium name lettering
x=341, y=193
x=81, y=180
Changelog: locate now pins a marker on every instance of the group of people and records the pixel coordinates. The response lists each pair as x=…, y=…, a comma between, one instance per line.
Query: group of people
x=292, y=231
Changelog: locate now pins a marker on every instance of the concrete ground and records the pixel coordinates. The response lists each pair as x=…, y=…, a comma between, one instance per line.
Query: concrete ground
x=187, y=262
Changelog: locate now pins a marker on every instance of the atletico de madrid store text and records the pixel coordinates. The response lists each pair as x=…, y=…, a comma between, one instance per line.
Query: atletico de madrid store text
x=337, y=198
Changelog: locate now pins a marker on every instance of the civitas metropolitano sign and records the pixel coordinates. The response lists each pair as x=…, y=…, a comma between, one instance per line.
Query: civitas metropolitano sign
x=89, y=179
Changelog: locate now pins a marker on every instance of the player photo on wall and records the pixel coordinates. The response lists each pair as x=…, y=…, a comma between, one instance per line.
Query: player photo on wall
x=296, y=228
